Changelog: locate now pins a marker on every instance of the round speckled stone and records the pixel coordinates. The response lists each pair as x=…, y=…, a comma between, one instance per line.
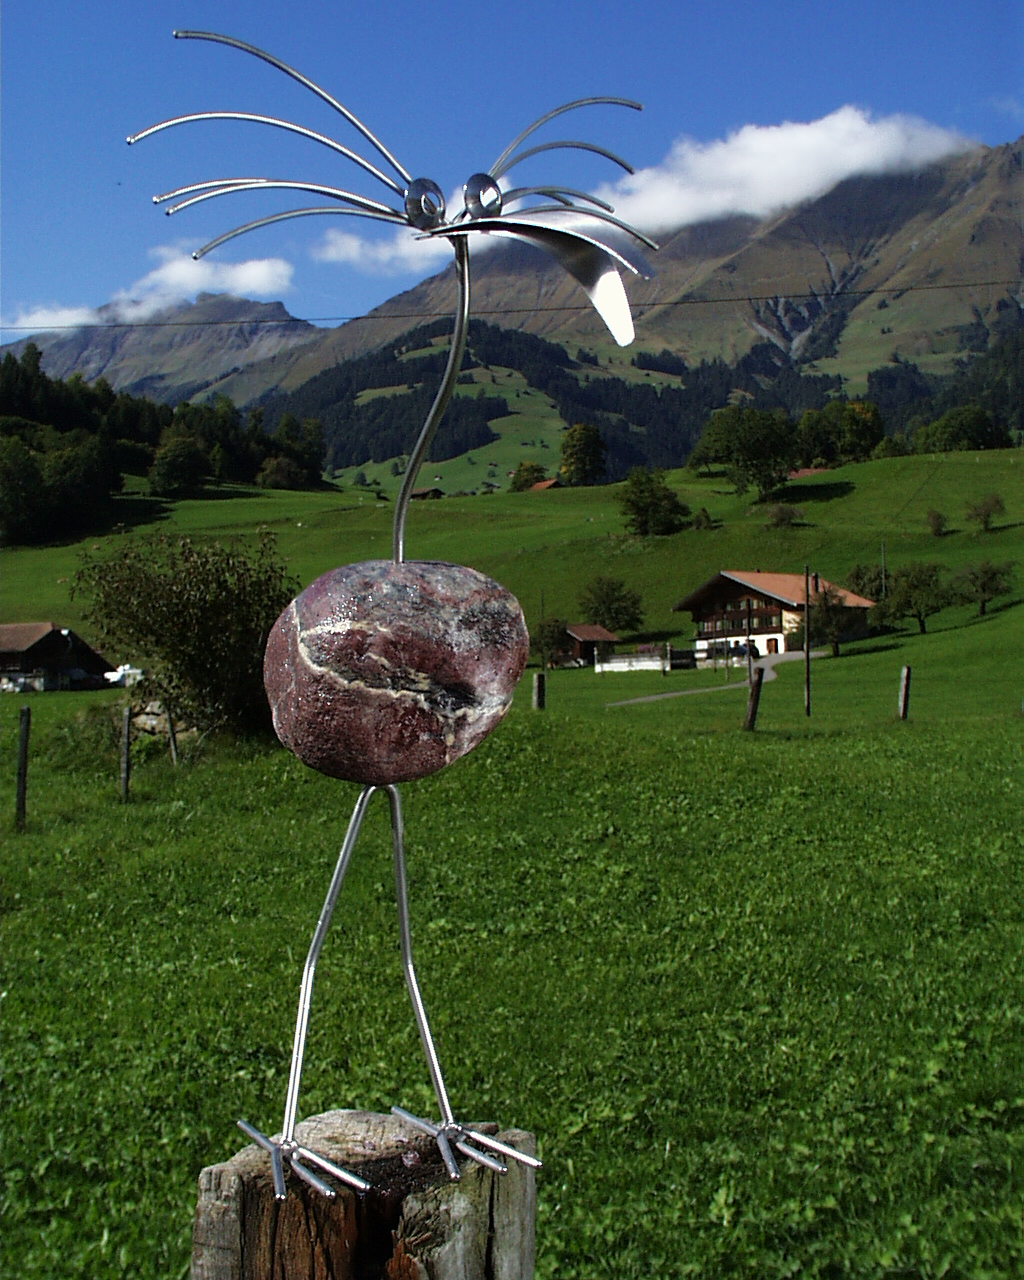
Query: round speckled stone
x=381, y=672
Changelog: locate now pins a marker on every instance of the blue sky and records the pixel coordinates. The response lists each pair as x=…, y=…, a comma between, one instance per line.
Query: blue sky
x=446, y=86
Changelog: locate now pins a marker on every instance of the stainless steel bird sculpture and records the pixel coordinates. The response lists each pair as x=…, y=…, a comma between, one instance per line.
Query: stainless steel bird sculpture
x=389, y=670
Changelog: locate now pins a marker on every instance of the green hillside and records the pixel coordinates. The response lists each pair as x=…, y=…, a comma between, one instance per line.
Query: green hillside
x=556, y=540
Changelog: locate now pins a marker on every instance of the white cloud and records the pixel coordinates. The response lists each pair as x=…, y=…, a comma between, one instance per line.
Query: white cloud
x=176, y=278
x=762, y=168
x=1007, y=106
x=398, y=254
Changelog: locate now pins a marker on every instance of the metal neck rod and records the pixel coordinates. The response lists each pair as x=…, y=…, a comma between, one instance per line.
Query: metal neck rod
x=309, y=971
x=444, y=393
x=410, y=973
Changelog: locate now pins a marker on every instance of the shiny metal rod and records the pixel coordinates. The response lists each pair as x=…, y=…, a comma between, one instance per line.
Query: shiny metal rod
x=309, y=971
x=444, y=394
x=405, y=936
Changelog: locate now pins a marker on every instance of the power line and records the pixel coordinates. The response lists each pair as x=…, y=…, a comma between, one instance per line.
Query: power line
x=640, y=307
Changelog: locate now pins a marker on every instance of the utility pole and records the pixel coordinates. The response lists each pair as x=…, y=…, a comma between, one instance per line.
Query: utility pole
x=807, y=639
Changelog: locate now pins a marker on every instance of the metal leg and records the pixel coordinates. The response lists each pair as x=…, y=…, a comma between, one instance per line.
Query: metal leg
x=449, y=1132
x=285, y=1147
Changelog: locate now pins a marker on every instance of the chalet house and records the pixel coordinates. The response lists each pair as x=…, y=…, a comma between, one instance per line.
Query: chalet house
x=585, y=638
x=41, y=655
x=773, y=603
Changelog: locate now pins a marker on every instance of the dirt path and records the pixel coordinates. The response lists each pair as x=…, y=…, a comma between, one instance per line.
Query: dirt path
x=767, y=665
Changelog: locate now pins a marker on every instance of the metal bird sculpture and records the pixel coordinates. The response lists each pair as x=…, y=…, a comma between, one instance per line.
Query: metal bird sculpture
x=386, y=671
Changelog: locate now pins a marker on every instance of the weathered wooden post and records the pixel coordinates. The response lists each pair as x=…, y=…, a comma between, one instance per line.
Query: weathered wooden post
x=24, y=724
x=415, y=1223
x=807, y=639
x=172, y=737
x=538, y=690
x=126, y=759
x=903, y=705
x=754, y=698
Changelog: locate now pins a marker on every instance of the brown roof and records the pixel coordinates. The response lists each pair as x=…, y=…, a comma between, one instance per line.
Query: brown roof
x=787, y=588
x=16, y=637
x=588, y=631
x=547, y=484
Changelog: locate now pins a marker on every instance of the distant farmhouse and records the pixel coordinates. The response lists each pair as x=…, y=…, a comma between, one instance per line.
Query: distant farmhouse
x=586, y=637
x=41, y=656
x=776, y=606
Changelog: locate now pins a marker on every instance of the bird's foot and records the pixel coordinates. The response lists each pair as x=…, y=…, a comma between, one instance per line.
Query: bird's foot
x=281, y=1150
x=452, y=1134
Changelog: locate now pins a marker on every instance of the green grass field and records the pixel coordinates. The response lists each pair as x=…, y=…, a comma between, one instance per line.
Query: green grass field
x=758, y=995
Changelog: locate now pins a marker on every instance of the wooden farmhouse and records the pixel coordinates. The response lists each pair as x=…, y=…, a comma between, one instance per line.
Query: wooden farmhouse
x=41, y=655
x=772, y=604
x=585, y=638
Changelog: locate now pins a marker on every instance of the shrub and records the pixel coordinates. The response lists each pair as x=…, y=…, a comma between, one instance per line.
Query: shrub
x=197, y=617
x=984, y=511
x=936, y=523
x=782, y=516
x=702, y=520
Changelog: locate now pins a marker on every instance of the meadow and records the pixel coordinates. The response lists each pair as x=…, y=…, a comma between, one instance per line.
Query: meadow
x=758, y=995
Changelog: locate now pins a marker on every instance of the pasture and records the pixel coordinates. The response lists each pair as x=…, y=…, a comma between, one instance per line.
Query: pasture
x=758, y=995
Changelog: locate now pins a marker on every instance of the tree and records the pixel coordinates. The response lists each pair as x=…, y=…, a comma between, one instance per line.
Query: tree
x=527, y=474
x=609, y=603
x=23, y=505
x=649, y=505
x=583, y=453
x=866, y=580
x=984, y=511
x=281, y=472
x=968, y=426
x=179, y=468
x=549, y=638
x=915, y=591
x=756, y=445
x=198, y=617
x=980, y=583
x=829, y=618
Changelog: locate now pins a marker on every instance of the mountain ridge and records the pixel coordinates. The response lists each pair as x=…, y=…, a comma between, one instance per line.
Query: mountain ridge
x=924, y=266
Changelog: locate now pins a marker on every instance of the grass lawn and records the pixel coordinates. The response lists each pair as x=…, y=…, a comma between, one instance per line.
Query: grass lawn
x=759, y=995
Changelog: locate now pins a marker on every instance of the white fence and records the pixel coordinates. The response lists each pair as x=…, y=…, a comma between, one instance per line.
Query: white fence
x=632, y=662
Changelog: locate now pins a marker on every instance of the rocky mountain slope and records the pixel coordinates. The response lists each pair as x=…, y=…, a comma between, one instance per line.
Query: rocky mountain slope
x=927, y=266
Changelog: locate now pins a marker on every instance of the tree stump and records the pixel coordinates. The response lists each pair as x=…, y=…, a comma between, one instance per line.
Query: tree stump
x=415, y=1224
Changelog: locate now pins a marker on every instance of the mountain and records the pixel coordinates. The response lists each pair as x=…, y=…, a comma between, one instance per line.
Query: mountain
x=923, y=266
x=178, y=352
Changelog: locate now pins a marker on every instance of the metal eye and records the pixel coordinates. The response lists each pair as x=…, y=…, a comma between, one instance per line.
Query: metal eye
x=424, y=204
x=482, y=196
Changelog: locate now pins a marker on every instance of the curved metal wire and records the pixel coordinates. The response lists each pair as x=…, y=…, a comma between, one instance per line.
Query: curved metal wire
x=444, y=393
x=278, y=124
x=558, y=111
x=585, y=213
x=283, y=217
x=274, y=184
x=556, y=146
x=517, y=193
x=303, y=80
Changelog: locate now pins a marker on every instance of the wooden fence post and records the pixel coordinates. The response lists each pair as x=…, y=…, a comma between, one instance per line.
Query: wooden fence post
x=24, y=724
x=539, y=691
x=754, y=698
x=903, y=706
x=415, y=1222
x=126, y=760
x=172, y=737
x=807, y=639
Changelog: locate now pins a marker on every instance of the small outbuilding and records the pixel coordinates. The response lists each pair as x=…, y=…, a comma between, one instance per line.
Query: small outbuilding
x=772, y=604
x=554, y=483
x=586, y=638
x=427, y=493
x=43, y=656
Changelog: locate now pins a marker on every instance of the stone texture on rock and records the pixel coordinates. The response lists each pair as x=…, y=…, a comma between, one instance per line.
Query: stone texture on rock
x=381, y=672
